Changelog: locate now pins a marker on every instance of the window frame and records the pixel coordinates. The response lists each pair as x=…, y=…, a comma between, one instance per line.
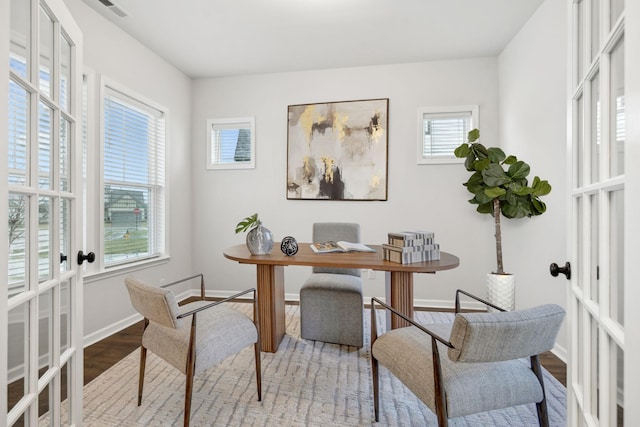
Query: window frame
x=95, y=181
x=473, y=109
x=231, y=123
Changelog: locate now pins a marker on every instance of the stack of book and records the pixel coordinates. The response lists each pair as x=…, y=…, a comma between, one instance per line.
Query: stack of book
x=411, y=246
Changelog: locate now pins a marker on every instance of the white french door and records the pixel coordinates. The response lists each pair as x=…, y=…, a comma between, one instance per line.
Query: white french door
x=42, y=299
x=603, y=343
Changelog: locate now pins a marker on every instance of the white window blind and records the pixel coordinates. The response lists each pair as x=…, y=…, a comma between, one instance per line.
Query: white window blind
x=442, y=130
x=134, y=179
x=231, y=143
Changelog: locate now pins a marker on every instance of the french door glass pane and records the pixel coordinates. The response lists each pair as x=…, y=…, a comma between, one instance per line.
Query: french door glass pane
x=45, y=331
x=594, y=262
x=617, y=110
x=579, y=141
x=617, y=386
x=44, y=414
x=45, y=148
x=580, y=240
x=46, y=52
x=65, y=127
x=18, y=215
x=20, y=36
x=595, y=28
x=45, y=226
x=617, y=6
x=17, y=349
x=18, y=155
x=65, y=73
x=594, y=368
x=581, y=350
x=65, y=307
x=595, y=128
x=616, y=254
x=65, y=234
x=580, y=28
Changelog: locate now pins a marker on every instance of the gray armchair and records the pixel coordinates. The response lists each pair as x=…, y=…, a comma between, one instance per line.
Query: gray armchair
x=479, y=371
x=192, y=337
x=331, y=305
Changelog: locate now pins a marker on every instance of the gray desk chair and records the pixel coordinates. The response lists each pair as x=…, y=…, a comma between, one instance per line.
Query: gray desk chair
x=479, y=371
x=331, y=306
x=193, y=337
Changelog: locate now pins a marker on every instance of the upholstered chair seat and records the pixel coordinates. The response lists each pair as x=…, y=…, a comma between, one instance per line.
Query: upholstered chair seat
x=482, y=361
x=193, y=337
x=331, y=304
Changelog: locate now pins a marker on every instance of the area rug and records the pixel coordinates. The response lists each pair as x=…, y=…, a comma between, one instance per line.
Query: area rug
x=306, y=383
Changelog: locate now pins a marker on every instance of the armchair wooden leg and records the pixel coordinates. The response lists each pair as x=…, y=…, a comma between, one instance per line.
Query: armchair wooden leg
x=143, y=359
x=187, y=400
x=376, y=388
x=258, y=370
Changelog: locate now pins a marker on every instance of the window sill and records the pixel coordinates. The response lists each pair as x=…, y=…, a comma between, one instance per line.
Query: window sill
x=125, y=269
x=442, y=161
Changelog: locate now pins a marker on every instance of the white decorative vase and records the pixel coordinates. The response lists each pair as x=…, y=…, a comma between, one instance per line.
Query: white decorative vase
x=260, y=241
x=501, y=290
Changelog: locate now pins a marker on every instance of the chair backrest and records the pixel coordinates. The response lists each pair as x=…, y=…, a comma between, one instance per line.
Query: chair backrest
x=493, y=337
x=156, y=304
x=326, y=231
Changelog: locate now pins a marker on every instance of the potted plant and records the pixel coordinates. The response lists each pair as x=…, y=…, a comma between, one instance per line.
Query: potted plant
x=500, y=188
x=259, y=238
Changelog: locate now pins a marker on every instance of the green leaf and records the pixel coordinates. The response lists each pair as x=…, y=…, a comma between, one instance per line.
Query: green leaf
x=541, y=188
x=479, y=150
x=518, y=210
x=519, y=170
x=496, y=155
x=494, y=176
x=485, y=208
x=481, y=164
x=473, y=135
x=248, y=223
x=494, y=192
x=539, y=206
x=510, y=160
x=462, y=150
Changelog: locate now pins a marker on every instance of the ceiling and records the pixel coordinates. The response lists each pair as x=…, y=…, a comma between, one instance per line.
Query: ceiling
x=214, y=38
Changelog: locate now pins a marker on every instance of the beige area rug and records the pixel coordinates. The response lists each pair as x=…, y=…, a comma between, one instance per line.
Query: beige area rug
x=305, y=383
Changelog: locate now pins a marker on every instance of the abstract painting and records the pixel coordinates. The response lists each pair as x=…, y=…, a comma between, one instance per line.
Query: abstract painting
x=338, y=150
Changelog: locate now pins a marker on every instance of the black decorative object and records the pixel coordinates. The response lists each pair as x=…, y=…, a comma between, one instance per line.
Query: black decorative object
x=289, y=246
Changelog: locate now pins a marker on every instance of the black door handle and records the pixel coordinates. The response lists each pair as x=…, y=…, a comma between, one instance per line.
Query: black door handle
x=555, y=270
x=63, y=257
x=90, y=257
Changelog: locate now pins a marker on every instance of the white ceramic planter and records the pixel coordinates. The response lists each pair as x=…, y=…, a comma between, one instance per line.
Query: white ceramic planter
x=501, y=290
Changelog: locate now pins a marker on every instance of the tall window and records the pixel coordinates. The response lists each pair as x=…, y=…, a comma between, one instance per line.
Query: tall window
x=133, y=178
x=441, y=130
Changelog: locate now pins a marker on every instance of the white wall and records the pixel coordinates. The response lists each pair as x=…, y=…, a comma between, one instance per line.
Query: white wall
x=419, y=196
x=533, y=114
x=111, y=52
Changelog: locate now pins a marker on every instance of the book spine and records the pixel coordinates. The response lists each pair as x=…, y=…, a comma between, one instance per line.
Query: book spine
x=411, y=257
x=401, y=243
x=419, y=248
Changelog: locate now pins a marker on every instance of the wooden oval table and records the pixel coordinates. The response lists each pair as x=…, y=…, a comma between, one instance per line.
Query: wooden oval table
x=270, y=280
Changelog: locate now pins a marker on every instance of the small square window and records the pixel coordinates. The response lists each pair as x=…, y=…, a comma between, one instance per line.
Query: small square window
x=231, y=143
x=442, y=130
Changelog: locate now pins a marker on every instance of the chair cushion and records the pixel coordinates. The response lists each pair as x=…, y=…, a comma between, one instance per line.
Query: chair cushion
x=220, y=332
x=481, y=337
x=470, y=387
x=156, y=304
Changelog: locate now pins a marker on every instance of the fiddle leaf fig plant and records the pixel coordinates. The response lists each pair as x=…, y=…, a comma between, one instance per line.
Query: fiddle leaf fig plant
x=499, y=186
x=248, y=224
